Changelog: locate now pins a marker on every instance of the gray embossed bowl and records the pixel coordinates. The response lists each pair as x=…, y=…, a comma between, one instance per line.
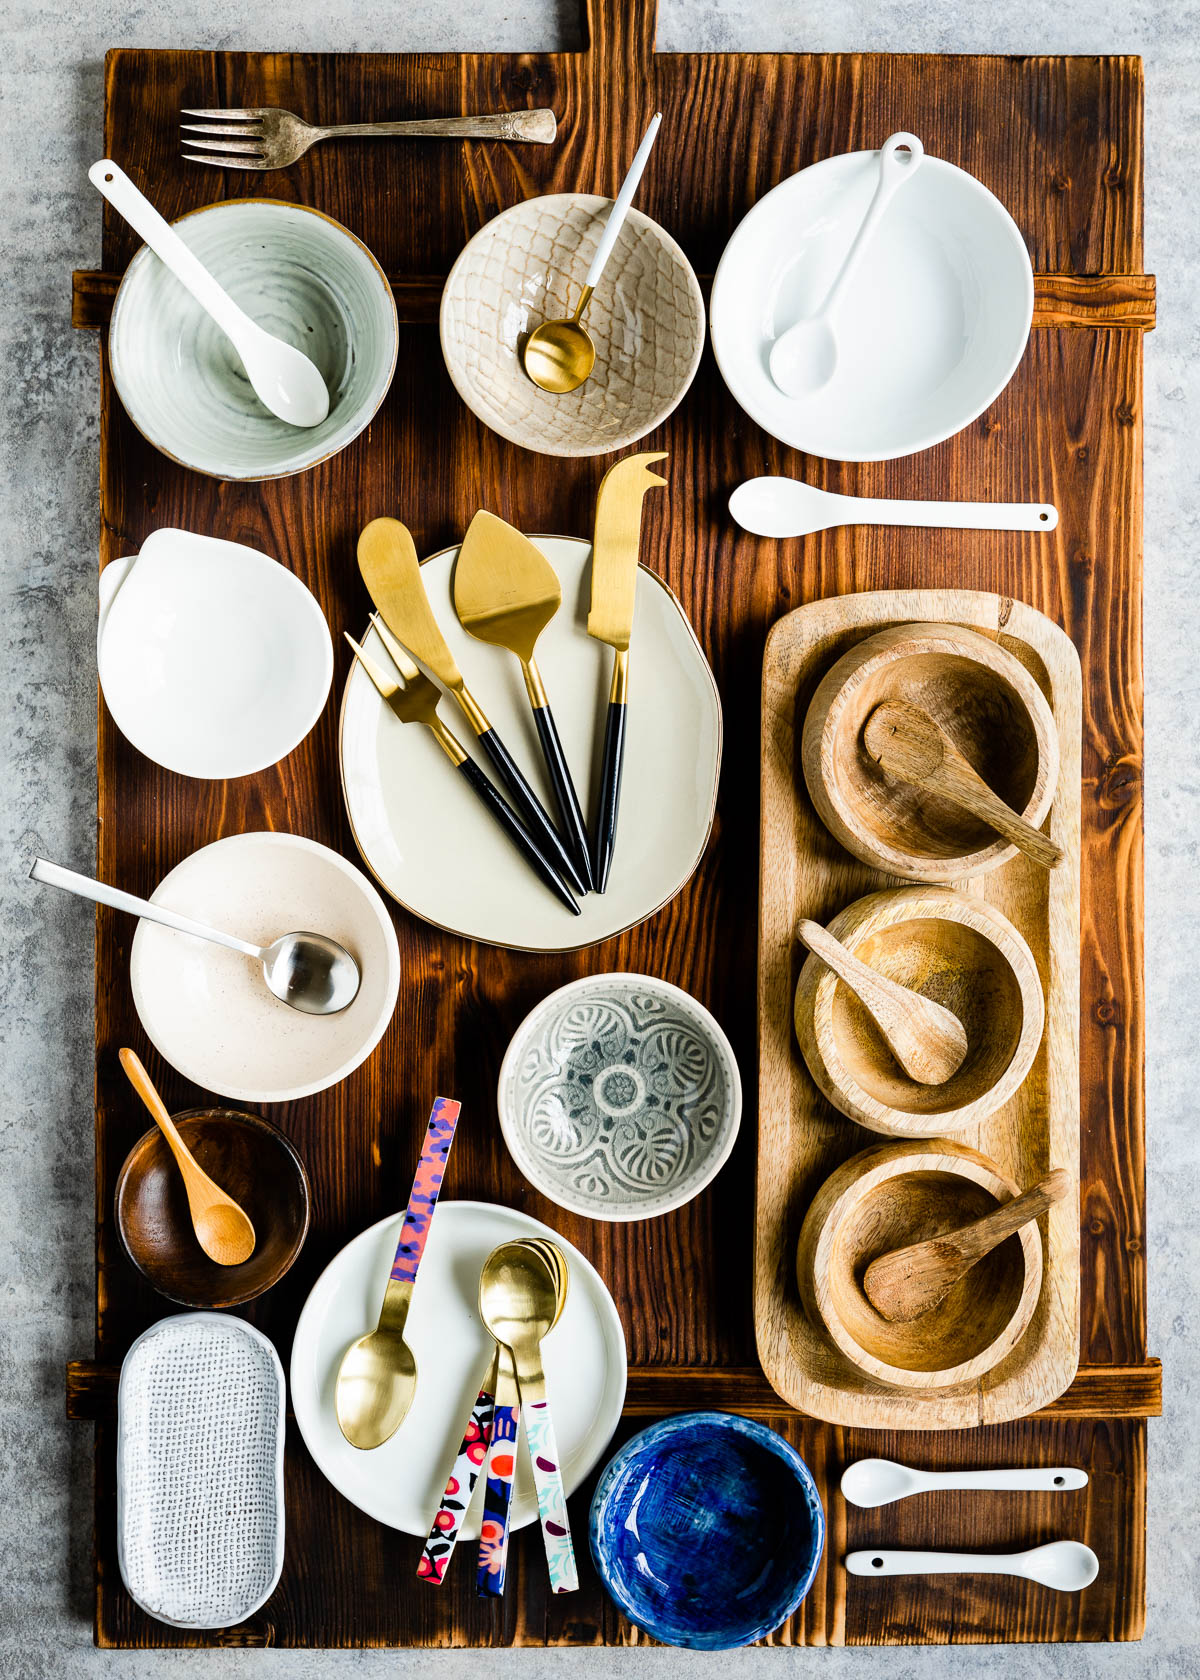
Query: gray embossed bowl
x=299, y=274
x=619, y=1097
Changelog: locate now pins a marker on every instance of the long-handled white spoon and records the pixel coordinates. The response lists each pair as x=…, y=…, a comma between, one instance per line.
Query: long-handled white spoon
x=804, y=357
x=283, y=378
x=310, y=971
x=880, y=1481
x=785, y=507
x=1066, y=1565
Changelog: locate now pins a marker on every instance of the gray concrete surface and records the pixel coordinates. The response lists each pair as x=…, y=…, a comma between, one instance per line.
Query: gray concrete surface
x=50, y=120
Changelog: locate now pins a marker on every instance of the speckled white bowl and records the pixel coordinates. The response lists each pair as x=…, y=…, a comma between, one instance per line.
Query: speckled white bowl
x=527, y=266
x=300, y=275
x=207, y=1009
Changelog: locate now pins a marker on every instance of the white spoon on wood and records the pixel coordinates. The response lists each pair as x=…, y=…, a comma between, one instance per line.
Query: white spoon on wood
x=804, y=357
x=1066, y=1565
x=284, y=379
x=786, y=507
x=880, y=1481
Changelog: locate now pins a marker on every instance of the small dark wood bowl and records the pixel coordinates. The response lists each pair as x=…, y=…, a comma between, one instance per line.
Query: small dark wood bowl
x=255, y=1164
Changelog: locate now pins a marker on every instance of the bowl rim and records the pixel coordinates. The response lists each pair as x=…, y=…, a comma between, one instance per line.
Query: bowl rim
x=371, y=895
x=235, y=1117
x=836, y=1200
x=833, y=694
x=527, y=1165
x=139, y=260
x=811, y=445
x=771, y=1441
x=637, y=219
x=871, y=914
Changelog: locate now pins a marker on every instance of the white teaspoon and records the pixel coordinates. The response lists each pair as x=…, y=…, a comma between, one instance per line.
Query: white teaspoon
x=1066, y=1565
x=804, y=358
x=284, y=379
x=785, y=507
x=880, y=1481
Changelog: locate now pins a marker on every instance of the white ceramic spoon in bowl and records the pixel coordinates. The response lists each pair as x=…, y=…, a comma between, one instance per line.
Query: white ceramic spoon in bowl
x=785, y=507
x=284, y=379
x=880, y=1481
x=804, y=357
x=1066, y=1565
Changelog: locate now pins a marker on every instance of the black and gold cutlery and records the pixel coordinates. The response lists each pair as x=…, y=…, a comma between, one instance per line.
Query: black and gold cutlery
x=387, y=559
x=614, y=591
x=416, y=702
x=505, y=593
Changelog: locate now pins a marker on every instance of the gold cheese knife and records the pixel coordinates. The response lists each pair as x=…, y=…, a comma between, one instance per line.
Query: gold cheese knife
x=387, y=559
x=614, y=591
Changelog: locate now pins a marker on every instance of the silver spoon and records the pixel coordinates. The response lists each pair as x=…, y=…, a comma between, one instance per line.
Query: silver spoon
x=804, y=357
x=306, y=970
x=787, y=507
x=879, y=1481
x=284, y=379
x=1066, y=1565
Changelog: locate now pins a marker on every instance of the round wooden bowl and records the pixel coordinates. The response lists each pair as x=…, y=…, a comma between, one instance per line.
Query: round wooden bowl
x=255, y=1164
x=989, y=705
x=902, y=1193
x=962, y=953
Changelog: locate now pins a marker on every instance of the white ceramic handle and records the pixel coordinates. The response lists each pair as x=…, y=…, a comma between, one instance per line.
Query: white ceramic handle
x=1038, y=1478
x=620, y=209
x=952, y=516
x=111, y=180
x=899, y=159
x=54, y=875
x=934, y=1563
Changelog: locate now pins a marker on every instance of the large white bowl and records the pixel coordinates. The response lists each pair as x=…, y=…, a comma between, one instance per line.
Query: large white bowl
x=214, y=659
x=930, y=330
x=207, y=1009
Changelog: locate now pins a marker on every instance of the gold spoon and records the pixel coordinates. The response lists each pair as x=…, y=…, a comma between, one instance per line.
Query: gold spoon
x=559, y=355
x=223, y=1229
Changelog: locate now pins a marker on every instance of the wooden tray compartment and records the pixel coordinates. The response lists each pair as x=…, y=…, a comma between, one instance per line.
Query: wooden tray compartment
x=802, y=1138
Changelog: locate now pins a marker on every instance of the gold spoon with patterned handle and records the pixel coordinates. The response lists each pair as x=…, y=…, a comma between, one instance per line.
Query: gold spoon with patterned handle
x=223, y=1229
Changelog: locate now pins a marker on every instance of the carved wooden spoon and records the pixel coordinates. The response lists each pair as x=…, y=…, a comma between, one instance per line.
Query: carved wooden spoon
x=909, y=1282
x=927, y=1040
x=908, y=744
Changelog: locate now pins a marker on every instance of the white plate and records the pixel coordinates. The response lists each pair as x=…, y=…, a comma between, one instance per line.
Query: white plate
x=432, y=845
x=929, y=332
x=207, y=1009
x=214, y=659
x=401, y=1482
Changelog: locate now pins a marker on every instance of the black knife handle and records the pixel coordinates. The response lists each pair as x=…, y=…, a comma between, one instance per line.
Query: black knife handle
x=610, y=794
x=518, y=834
x=530, y=808
x=565, y=796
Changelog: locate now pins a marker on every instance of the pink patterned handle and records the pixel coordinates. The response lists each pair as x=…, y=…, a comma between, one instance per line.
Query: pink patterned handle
x=439, y=1135
x=443, y=1536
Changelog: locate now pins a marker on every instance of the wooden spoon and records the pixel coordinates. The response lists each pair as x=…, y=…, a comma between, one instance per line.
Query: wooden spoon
x=927, y=1040
x=909, y=1282
x=222, y=1228
x=909, y=745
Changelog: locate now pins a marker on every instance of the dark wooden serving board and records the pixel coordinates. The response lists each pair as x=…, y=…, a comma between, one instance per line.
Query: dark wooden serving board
x=1060, y=142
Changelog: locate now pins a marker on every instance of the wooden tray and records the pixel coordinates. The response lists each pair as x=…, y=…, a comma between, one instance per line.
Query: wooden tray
x=801, y=1137
x=1059, y=141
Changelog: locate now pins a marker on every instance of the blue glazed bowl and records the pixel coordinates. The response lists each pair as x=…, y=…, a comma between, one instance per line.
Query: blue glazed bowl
x=707, y=1530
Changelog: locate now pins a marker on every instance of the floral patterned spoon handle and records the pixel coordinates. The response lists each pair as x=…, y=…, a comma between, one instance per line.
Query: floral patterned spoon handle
x=427, y=1182
x=464, y=1474
x=551, y=1496
x=501, y=1467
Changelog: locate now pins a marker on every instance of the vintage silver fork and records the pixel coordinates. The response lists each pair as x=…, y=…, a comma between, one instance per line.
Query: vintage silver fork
x=268, y=138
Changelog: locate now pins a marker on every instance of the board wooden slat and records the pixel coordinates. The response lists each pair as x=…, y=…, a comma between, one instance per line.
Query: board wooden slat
x=1059, y=141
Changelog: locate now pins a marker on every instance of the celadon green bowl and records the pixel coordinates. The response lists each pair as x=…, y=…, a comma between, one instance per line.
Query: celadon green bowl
x=300, y=275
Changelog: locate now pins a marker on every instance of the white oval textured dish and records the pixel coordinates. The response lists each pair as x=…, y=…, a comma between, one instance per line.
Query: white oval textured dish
x=620, y=1097
x=200, y=1509
x=932, y=325
x=527, y=266
x=427, y=839
x=297, y=273
x=214, y=659
x=208, y=1010
x=401, y=1482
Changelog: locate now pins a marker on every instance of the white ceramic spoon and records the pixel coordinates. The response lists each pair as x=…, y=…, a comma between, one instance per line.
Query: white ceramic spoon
x=785, y=507
x=1066, y=1565
x=804, y=357
x=879, y=1481
x=284, y=379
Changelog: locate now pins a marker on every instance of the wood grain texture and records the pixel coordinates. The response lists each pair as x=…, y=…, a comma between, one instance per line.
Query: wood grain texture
x=1059, y=141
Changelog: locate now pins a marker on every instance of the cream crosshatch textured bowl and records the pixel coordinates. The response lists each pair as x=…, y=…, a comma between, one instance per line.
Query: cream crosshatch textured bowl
x=527, y=266
x=620, y=1097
